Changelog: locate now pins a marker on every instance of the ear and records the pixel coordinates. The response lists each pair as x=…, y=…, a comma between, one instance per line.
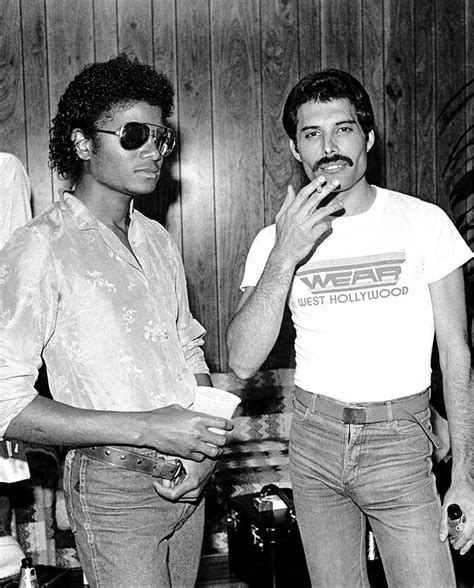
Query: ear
x=370, y=140
x=82, y=146
x=294, y=150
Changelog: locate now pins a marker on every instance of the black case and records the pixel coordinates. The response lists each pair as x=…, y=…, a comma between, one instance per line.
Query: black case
x=265, y=548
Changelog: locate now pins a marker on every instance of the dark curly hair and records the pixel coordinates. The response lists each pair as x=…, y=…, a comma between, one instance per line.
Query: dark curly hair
x=324, y=86
x=95, y=92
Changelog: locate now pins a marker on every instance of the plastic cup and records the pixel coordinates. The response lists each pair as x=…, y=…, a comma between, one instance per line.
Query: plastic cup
x=215, y=402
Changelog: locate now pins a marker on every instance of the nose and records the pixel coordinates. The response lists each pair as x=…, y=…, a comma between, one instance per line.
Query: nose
x=150, y=150
x=329, y=145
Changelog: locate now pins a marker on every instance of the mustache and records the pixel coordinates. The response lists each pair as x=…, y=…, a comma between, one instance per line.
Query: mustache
x=328, y=159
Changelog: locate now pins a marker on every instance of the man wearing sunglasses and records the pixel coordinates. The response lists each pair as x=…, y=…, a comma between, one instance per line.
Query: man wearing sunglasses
x=98, y=290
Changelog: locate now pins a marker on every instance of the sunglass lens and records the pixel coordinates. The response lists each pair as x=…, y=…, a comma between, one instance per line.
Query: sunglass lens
x=165, y=141
x=134, y=135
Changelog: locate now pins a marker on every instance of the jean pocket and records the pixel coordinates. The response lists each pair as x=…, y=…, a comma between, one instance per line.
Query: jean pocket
x=68, y=487
x=411, y=428
x=300, y=411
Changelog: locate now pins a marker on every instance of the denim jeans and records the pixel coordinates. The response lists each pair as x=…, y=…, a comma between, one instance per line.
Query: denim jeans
x=342, y=474
x=126, y=534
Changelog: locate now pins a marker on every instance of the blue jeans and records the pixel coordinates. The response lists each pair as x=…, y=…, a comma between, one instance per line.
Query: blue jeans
x=126, y=535
x=342, y=474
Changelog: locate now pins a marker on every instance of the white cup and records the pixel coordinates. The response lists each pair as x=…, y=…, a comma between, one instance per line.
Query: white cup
x=215, y=402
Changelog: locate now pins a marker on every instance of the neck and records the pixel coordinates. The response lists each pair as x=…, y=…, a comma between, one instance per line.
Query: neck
x=359, y=198
x=110, y=207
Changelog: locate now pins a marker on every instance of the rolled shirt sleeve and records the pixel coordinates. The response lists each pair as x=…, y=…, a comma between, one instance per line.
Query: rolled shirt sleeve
x=27, y=311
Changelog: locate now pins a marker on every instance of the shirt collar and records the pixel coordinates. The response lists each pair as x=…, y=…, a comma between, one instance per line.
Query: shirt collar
x=81, y=215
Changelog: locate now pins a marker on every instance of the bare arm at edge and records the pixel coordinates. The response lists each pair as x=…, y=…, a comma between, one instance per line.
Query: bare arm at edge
x=449, y=309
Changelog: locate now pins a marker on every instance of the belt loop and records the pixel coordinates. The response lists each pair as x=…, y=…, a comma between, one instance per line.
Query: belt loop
x=390, y=411
x=313, y=403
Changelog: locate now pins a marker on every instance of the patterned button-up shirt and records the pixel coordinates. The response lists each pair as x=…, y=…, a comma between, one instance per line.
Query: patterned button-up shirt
x=115, y=333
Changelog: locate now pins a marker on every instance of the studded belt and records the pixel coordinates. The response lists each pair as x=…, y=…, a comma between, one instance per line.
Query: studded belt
x=158, y=467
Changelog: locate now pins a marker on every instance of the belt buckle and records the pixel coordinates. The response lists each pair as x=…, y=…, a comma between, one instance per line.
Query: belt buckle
x=170, y=470
x=354, y=415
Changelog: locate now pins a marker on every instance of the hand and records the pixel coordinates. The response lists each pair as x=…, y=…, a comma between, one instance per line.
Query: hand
x=300, y=223
x=463, y=495
x=174, y=430
x=188, y=488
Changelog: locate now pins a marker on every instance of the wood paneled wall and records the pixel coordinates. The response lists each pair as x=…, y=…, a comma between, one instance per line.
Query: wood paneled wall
x=233, y=63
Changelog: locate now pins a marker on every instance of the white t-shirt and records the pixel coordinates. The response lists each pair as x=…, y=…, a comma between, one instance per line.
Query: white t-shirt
x=15, y=196
x=361, y=305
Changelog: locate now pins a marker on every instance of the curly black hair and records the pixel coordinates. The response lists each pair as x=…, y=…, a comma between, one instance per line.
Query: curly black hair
x=324, y=86
x=95, y=92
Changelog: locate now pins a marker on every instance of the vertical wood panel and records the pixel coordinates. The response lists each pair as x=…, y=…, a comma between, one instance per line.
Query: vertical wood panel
x=35, y=66
x=164, y=55
x=197, y=164
x=309, y=35
x=12, y=113
x=134, y=29
x=70, y=48
x=450, y=77
x=341, y=36
x=279, y=23
x=105, y=29
x=373, y=81
x=237, y=144
x=399, y=97
x=425, y=124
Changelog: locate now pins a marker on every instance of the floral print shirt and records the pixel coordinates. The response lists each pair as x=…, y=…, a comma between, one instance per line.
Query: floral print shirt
x=115, y=330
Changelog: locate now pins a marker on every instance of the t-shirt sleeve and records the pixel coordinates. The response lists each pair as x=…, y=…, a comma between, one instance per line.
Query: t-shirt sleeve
x=446, y=249
x=257, y=256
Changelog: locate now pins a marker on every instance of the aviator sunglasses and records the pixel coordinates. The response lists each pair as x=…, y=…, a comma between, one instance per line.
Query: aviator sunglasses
x=133, y=135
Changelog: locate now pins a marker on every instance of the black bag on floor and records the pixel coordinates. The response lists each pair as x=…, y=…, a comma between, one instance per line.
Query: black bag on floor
x=265, y=548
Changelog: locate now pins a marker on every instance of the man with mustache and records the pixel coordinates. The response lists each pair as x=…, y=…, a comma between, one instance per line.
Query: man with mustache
x=369, y=275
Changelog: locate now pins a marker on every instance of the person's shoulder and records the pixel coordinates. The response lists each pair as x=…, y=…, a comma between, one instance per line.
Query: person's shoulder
x=8, y=160
x=411, y=203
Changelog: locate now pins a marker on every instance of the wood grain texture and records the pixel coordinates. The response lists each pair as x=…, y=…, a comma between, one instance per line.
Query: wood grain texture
x=35, y=67
x=70, y=48
x=450, y=77
x=237, y=107
x=373, y=81
x=341, y=36
x=164, y=58
x=105, y=29
x=425, y=121
x=309, y=37
x=197, y=169
x=279, y=24
x=134, y=29
x=12, y=113
x=399, y=97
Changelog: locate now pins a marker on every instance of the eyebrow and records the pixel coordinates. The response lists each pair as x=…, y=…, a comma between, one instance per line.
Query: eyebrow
x=340, y=122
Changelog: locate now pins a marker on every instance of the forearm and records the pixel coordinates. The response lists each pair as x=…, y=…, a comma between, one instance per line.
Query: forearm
x=459, y=400
x=51, y=422
x=172, y=429
x=254, y=329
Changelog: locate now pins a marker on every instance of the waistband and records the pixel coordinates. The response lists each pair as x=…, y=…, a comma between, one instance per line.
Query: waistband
x=370, y=412
x=158, y=467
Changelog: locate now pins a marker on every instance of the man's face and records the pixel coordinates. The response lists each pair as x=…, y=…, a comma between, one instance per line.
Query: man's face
x=331, y=142
x=132, y=172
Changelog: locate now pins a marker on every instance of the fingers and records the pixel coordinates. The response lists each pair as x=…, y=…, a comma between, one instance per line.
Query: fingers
x=172, y=493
